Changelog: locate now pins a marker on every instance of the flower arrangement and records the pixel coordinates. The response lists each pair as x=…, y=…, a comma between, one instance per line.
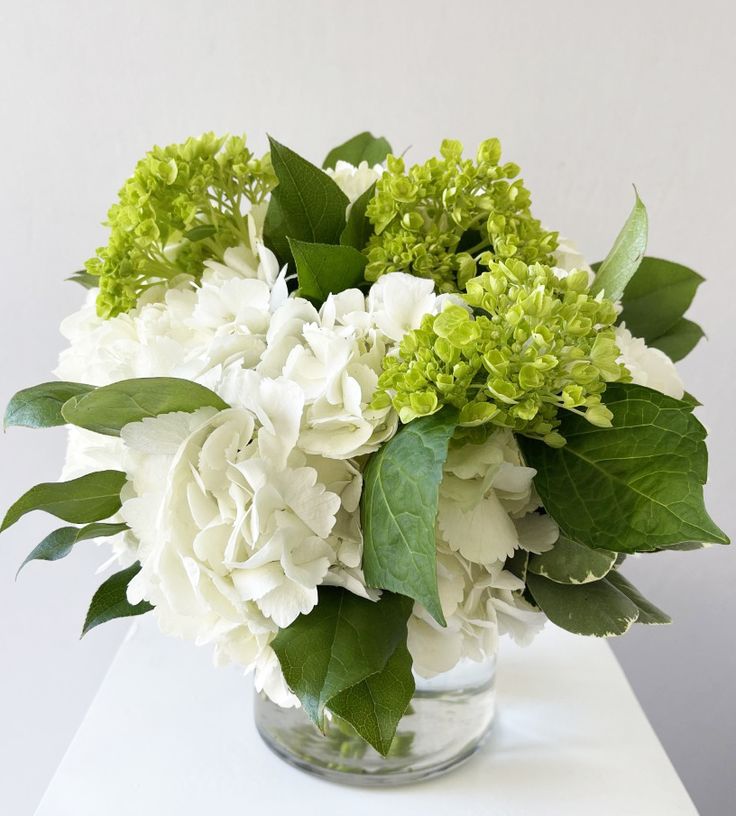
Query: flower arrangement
x=349, y=425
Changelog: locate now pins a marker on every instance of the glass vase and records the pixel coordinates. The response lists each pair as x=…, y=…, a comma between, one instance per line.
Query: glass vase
x=447, y=720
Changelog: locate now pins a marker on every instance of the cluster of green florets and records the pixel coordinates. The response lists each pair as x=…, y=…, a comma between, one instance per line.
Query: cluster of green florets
x=182, y=205
x=534, y=344
x=436, y=218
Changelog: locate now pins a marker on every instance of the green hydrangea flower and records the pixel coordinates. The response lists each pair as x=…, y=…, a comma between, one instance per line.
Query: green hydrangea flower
x=436, y=218
x=182, y=205
x=533, y=344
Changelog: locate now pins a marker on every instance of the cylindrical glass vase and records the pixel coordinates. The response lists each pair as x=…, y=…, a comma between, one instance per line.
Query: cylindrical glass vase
x=447, y=720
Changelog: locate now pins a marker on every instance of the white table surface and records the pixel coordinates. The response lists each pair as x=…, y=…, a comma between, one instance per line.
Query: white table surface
x=169, y=735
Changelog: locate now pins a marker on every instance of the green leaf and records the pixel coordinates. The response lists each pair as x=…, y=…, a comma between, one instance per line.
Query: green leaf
x=399, y=509
x=635, y=487
x=625, y=256
x=92, y=497
x=363, y=147
x=343, y=641
x=108, y=409
x=358, y=228
x=375, y=706
x=648, y=613
x=657, y=297
x=598, y=608
x=680, y=340
x=569, y=562
x=110, y=601
x=325, y=268
x=84, y=279
x=40, y=405
x=306, y=205
x=60, y=543
x=199, y=233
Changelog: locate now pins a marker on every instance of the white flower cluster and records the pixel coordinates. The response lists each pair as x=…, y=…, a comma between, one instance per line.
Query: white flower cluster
x=238, y=516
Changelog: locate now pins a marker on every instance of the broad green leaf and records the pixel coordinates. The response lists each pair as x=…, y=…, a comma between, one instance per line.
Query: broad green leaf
x=680, y=340
x=358, y=228
x=344, y=640
x=84, y=279
x=363, y=147
x=399, y=509
x=625, y=256
x=569, y=562
x=598, y=608
x=92, y=497
x=109, y=408
x=657, y=297
x=635, y=487
x=375, y=706
x=648, y=612
x=110, y=601
x=60, y=543
x=40, y=405
x=306, y=205
x=326, y=268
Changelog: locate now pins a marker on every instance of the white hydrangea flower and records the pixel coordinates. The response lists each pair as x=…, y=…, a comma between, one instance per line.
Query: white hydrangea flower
x=352, y=180
x=236, y=527
x=648, y=366
x=479, y=605
x=487, y=507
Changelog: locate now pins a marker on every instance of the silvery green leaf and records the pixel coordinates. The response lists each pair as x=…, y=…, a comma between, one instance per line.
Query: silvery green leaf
x=40, y=406
x=619, y=266
x=399, y=509
x=92, y=497
x=363, y=147
x=106, y=410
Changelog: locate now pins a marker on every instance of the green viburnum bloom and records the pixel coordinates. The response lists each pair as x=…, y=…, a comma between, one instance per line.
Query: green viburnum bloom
x=533, y=344
x=182, y=205
x=435, y=219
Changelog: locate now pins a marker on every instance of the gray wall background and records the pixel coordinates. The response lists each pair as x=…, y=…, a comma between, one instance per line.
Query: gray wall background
x=587, y=97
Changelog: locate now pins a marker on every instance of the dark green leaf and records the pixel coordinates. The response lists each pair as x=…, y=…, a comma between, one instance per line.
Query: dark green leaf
x=597, y=608
x=358, y=228
x=93, y=497
x=569, y=562
x=306, y=205
x=110, y=601
x=363, y=147
x=344, y=640
x=399, y=509
x=657, y=297
x=648, y=612
x=625, y=256
x=325, y=268
x=691, y=400
x=84, y=279
x=375, y=706
x=59, y=544
x=635, y=487
x=40, y=405
x=680, y=340
x=107, y=409
x=200, y=233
